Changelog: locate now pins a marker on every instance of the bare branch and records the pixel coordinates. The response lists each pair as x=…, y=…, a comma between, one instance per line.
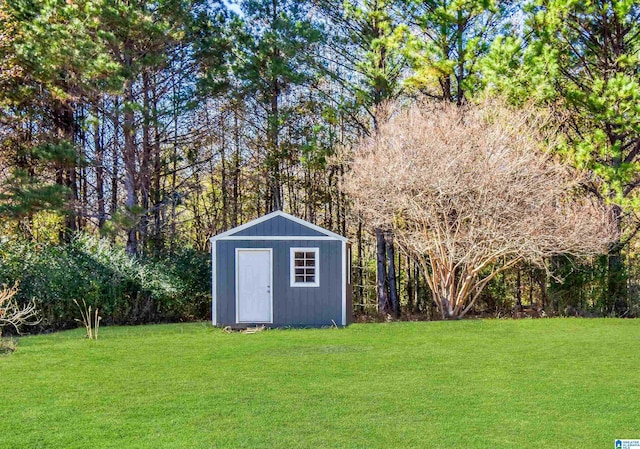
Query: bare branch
x=11, y=314
x=470, y=191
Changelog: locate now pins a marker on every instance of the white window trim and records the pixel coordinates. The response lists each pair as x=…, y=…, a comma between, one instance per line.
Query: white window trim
x=292, y=271
x=214, y=296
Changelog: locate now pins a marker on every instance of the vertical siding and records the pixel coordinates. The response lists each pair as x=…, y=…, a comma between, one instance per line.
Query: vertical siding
x=225, y=274
x=292, y=306
x=279, y=227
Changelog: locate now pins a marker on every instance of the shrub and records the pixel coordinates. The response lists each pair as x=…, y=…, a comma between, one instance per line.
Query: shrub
x=127, y=290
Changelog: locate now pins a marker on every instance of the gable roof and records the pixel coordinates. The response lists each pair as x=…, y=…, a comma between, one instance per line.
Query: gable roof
x=253, y=230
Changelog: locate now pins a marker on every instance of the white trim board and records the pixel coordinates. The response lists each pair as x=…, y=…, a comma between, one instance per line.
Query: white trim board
x=328, y=235
x=275, y=237
x=214, y=275
x=344, y=283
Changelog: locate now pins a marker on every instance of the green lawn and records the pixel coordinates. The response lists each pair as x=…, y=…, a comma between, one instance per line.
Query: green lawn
x=549, y=383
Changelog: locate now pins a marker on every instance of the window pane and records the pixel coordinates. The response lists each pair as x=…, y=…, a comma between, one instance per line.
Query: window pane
x=303, y=266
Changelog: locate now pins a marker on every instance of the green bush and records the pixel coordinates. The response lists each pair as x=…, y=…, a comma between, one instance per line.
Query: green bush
x=126, y=290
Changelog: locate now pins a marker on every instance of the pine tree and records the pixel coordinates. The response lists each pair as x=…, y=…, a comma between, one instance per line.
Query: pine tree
x=448, y=40
x=585, y=57
x=274, y=59
x=367, y=41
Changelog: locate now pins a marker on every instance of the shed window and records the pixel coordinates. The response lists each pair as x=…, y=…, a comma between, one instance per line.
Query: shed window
x=305, y=267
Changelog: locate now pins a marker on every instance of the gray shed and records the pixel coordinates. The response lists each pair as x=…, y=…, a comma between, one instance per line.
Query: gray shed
x=279, y=270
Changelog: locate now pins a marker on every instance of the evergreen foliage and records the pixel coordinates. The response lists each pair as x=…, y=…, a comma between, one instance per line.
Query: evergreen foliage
x=158, y=124
x=126, y=290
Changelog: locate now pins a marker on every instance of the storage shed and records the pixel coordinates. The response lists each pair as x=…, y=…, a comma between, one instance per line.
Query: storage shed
x=280, y=270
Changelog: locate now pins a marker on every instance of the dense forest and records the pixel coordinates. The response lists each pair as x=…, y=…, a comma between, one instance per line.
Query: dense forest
x=131, y=131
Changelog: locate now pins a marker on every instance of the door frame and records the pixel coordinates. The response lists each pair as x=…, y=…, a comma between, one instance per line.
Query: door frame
x=237, y=281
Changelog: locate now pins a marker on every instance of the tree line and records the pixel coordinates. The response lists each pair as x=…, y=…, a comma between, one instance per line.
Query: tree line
x=158, y=124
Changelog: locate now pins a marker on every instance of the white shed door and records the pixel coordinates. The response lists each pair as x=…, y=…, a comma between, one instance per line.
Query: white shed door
x=253, y=286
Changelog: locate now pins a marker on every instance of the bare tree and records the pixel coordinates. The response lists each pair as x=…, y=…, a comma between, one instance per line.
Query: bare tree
x=469, y=193
x=11, y=313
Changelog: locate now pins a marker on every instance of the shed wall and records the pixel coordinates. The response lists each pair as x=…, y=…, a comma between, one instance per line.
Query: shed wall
x=279, y=227
x=292, y=306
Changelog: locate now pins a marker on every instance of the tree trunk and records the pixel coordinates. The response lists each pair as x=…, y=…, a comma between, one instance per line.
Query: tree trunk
x=83, y=181
x=359, y=269
x=66, y=171
x=393, y=290
x=273, y=158
x=409, y=287
x=381, y=278
x=223, y=173
x=145, y=162
x=157, y=174
x=114, y=157
x=616, y=283
x=99, y=149
x=518, y=288
x=416, y=288
x=174, y=170
x=342, y=204
x=130, y=181
x=308, y=200
x=236, y=169
x=460, y=62
x=617, y=294
x=531, y=285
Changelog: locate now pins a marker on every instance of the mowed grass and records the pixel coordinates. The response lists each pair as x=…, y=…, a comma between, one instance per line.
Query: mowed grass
x=549, y=383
